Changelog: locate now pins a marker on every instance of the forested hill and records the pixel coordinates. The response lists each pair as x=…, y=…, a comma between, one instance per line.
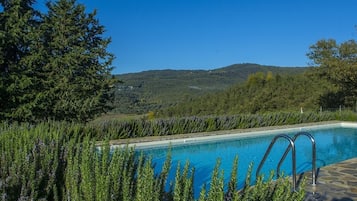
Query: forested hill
x=260, y=93
x=155, y=89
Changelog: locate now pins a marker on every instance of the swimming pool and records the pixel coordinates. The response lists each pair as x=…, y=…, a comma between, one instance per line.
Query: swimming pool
x=334, y=143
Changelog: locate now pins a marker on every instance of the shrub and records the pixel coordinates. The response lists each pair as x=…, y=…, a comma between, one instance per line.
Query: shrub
x=158, y=127
x=56, y=161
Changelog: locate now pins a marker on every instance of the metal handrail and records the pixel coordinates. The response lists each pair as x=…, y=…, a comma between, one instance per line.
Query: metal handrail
x=292, y=145
x=313, y=160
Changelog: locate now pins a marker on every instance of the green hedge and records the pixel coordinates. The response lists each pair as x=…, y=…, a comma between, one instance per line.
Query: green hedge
x=117, y=129
x=57, y=161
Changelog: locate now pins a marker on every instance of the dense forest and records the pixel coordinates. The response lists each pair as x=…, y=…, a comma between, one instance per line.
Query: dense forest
x=260, y=93
x=146, y=91
x=236, y=89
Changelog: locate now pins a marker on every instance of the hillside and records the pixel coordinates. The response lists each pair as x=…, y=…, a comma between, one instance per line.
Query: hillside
x=152, y=90
x=259, y=94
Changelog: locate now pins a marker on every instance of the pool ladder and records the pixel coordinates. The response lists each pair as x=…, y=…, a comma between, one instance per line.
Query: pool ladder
x=293, y=154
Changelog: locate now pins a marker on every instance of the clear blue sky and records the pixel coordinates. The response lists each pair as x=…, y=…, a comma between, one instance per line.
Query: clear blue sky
x=208, y=34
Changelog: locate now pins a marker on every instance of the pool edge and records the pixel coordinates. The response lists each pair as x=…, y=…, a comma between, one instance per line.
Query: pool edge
x=158, y=141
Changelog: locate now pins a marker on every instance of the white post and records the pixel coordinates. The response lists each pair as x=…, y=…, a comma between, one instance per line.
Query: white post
x=301, y=111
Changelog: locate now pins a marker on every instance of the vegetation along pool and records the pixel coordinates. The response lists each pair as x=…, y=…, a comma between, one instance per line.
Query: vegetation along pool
x=334, y=143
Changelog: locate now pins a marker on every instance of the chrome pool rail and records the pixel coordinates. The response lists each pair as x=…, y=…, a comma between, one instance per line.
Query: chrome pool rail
x=291, y=147
x=313, y=158
x=293, y=154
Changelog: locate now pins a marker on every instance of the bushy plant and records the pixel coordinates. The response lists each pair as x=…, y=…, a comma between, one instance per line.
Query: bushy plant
x=116, y=129
x=56, y=161
x=268, y=190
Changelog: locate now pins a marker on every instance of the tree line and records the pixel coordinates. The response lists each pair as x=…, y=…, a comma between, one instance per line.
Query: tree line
x=53, y=62
x=153, y=90
x=330, y=84
x=261, y=93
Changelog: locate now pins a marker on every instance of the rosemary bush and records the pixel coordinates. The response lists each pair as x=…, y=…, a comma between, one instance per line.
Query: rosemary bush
x=57, y=161
x=116, y=129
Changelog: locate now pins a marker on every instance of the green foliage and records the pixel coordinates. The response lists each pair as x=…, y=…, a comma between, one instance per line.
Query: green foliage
x=337, y=63
x=188, y=93
x=33, y=161
x=183, y=189
x=53, y=65
x=153, y=90
x=216, y=191
x=77, y=62
x=232, y=185
x=263, y=190
x=56, y=161
x=279, y=189
x=116, y=129
x=53, y=161
x=261, y=93
x=18, y=22
x=145, y=182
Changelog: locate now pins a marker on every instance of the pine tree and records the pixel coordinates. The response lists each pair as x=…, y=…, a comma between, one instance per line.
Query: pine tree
x=77, y=65
x=54, y=65
x=18, y=20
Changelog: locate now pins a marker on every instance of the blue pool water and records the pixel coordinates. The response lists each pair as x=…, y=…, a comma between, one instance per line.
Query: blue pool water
x=332, y=145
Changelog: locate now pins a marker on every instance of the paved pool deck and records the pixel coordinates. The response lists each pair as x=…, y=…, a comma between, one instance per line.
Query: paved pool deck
x=337, y=182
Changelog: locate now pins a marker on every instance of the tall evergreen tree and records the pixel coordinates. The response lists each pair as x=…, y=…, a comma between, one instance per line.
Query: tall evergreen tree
x=18, y=20
x=77, y=65
x=53, y=66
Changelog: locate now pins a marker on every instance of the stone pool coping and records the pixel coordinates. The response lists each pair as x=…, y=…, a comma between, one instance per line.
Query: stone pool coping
x=156, y=141
x=335, y=182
